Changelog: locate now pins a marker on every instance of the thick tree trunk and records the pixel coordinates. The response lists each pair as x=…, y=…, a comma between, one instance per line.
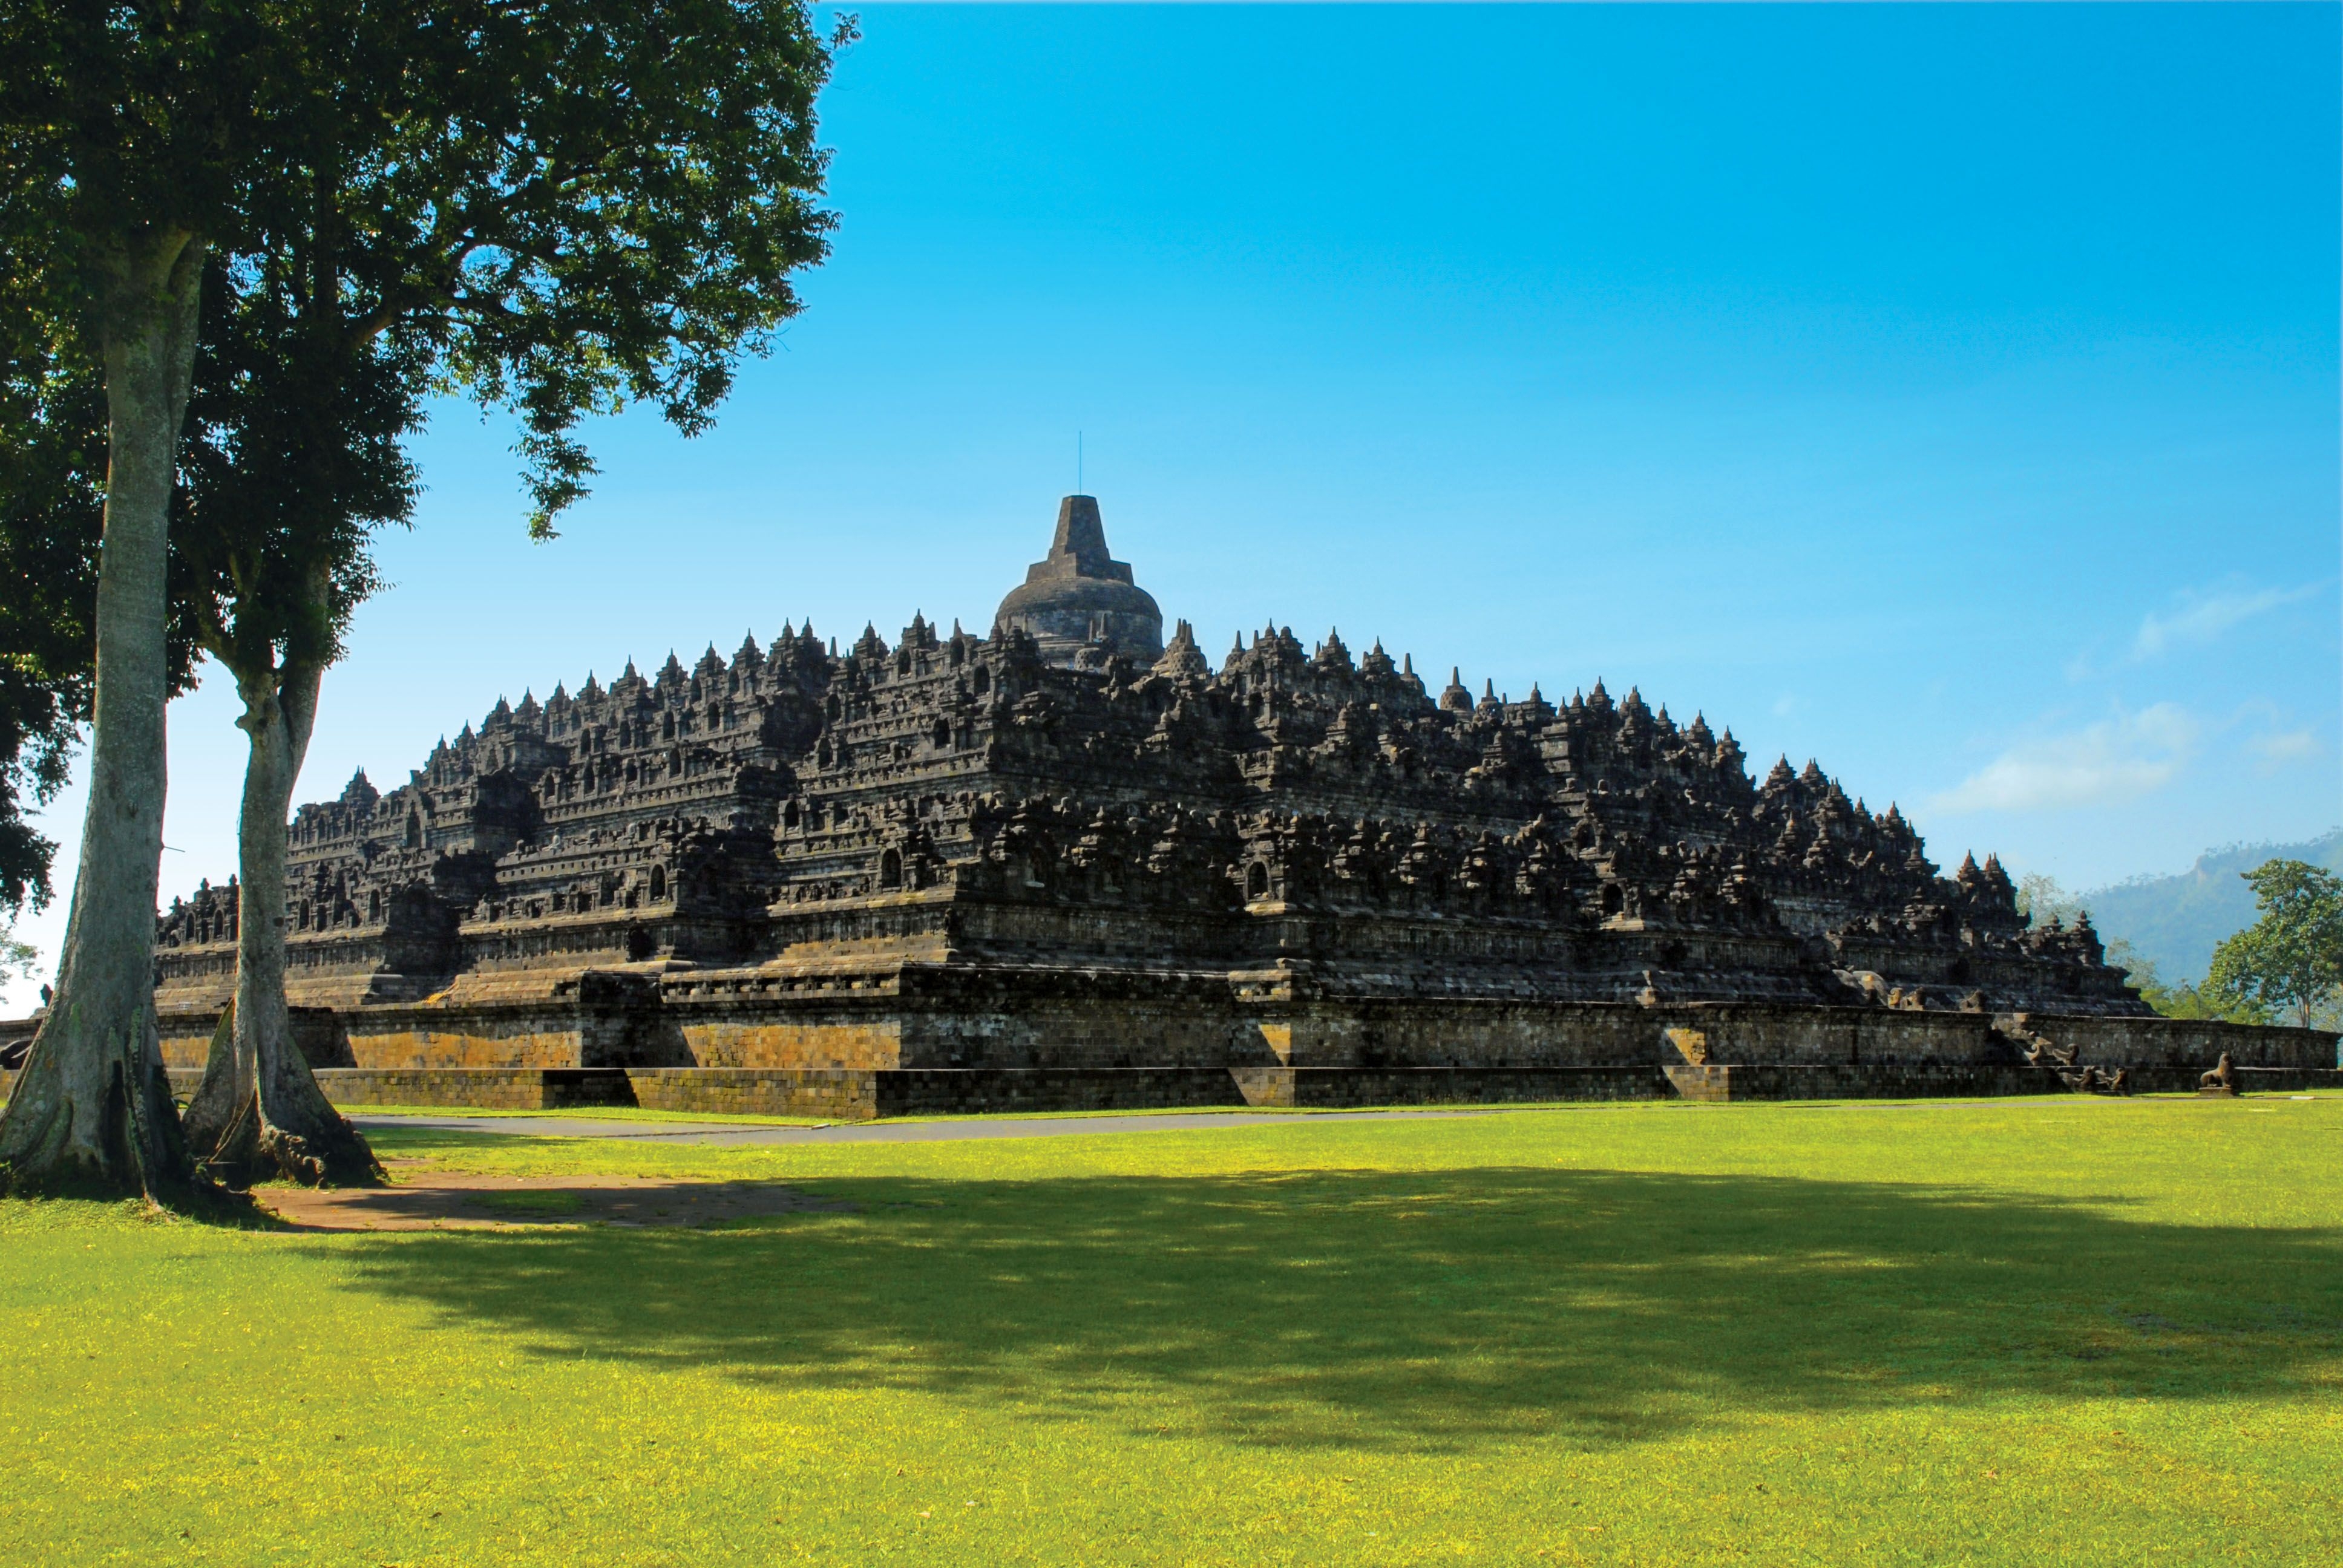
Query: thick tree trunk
x=93, y=1109
x=259, y=1113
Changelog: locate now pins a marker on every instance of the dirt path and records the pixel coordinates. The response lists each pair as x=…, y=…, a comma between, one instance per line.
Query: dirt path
x=447, y=1202
x=428, y=1200
x=585, y=1125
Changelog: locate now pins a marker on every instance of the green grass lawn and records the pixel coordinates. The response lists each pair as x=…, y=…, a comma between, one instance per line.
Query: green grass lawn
x=2031, y=1331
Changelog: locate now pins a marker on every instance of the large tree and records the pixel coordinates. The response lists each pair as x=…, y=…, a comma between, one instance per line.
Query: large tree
x=559, y=207
x=122, y=134
x=2292, y=957
x=53, y=428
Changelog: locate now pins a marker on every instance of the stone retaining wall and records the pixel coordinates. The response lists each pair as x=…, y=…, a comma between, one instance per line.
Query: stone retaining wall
x=843, y=1094
x=1305, y=1087
x=942, y=1017
x=856, y=1041
x=2177, y=1042
x=1807, y=1080
x=854, y=1095
x=487, y=1087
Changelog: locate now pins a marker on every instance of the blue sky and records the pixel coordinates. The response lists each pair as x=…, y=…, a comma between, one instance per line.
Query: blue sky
x=1948, y=393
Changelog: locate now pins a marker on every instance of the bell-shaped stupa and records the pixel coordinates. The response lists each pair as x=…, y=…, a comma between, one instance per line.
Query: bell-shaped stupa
x=1079, y=595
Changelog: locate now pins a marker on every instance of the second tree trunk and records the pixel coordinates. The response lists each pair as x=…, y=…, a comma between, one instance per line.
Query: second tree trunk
x=259, y=1113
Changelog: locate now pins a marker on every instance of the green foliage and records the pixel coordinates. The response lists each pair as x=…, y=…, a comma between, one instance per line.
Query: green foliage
x=52, y=470
x=2188, y=1002
x=2040, y=899
x=1863, y=1333
x=2182, y=1000
x=18, y=960
x=562, y=206
x=122, y=124
x=555, y=206
x=293, y=459
x=2292, y=957
x=124, y=130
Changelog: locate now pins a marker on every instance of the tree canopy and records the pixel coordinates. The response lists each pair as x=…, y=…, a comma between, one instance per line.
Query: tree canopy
x=571, y=204
x=2292, y=957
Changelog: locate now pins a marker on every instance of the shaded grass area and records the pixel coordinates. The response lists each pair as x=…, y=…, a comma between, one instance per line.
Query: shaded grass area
x=1358, y=1309
x=2008, y=1332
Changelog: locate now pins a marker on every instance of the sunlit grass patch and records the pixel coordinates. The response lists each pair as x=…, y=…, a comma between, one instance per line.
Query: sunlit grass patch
x=529, y=1203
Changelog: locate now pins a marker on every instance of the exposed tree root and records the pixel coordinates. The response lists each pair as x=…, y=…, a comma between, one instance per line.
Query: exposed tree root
x=92, y=1117
x=258, y=1116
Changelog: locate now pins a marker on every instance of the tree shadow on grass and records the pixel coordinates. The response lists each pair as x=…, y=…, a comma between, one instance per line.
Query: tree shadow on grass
x=1420, y=1310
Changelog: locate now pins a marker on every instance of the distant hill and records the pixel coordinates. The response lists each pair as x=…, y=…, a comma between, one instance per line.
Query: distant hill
x=2176, y=921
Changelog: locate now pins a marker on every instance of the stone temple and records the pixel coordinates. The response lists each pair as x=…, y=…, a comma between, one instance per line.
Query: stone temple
x=1070, y=862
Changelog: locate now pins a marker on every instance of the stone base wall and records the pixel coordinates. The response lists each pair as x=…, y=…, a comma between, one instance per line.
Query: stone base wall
x=1865, y=1036
x=485, y=1088
x=1807, y=1080
x=949, y=1090
x=859, y=1094
x=831, y=1094
x=1325, y=1086
x=806, y=1039
x=1008, y=1017
x=187, y=1035
x=849, y=1039
x=489, y=1089
x=2176, y=1043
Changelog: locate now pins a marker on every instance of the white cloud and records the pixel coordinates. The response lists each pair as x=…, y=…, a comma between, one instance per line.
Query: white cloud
x=2280, y=747
x=2203, y=617
x=2118, y=758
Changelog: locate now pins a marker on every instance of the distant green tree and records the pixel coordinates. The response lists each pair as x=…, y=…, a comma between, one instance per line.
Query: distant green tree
x=2182, y=1000
x=2041, y=899
x=2292, y=957
x=18, y=959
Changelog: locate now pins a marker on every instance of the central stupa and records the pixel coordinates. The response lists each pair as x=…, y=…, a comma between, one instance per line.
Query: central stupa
x=1079, y=596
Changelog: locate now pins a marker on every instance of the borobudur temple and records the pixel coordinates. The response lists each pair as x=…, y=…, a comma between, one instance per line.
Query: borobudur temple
x=1071, y=863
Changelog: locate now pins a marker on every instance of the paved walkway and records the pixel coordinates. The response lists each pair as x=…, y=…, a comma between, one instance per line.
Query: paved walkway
x=941, y=1131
